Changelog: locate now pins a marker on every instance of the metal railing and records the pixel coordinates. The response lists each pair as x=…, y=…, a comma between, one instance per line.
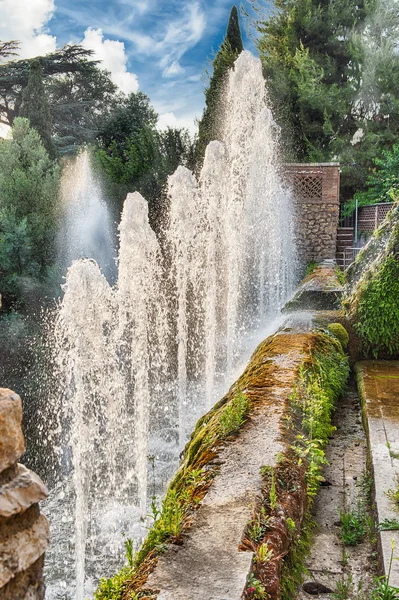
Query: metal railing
x=350, y=256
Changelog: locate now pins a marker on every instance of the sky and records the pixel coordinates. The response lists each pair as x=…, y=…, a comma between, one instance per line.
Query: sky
x=160, y=47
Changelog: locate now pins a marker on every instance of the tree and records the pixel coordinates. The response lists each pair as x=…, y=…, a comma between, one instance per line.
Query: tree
x=79, y=93
x=8, y=49
x=311, y=60
x=232, y=46
x=382, y=183
x=29, y=183
x=35, y=107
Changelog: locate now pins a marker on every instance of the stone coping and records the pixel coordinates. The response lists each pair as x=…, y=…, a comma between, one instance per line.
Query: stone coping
x=378, y=383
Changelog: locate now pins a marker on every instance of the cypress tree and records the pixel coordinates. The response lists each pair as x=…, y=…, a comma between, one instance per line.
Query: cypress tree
x=232, y=46
x=233, y=33
x=35, y=107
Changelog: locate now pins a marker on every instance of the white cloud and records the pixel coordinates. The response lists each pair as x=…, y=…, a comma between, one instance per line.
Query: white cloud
x=173, y=69
x=169, y=119
x=24, y=21
x=113, y=57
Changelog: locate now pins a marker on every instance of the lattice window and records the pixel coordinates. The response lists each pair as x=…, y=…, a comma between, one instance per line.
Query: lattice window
x=308, y=186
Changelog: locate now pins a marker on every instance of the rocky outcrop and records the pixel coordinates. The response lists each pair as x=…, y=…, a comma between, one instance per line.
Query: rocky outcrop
x=24, y=532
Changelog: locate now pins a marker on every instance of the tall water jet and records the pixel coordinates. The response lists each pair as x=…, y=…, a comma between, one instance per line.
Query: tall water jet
x=182, y=191
x=85, y=360
x=141, y=320
x=86, y=228
x=144, y=357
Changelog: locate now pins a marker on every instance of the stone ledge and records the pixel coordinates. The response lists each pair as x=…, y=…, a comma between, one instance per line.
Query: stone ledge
x=378, y=383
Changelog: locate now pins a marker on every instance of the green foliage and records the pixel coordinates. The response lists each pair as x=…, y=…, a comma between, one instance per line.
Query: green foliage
x=310, y=268
x=389, y=525
x=232, y=46
x=320, y=383
x=35, y=107
x=135, y=156
x=311, y=63
x=340, y=333
x=29, y=183
x=344, y=588
x=383, y=590
x=317, y=390
x=353, y=526
x=382, y=183
x=79, y=93
x=393, y=494
x=377, y=310
x=234, y=415
x=255, y=587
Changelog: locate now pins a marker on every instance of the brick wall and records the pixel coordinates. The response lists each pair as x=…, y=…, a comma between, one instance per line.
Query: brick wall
x=316, y=201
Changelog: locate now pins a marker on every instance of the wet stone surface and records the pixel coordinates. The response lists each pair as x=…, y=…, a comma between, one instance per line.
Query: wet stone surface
x=331, y=565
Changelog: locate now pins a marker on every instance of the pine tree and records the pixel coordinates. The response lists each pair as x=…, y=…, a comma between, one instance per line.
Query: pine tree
x=35, y=107
x=232, y=46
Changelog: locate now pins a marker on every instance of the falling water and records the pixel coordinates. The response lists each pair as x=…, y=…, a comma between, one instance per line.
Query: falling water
x=140, y=360
x=85, y=230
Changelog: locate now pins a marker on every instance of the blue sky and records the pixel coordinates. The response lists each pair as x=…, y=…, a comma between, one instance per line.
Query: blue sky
x=160, y=47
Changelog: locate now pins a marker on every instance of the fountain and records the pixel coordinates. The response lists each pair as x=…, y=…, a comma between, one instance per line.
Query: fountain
x=85, y=229
x=140, y=361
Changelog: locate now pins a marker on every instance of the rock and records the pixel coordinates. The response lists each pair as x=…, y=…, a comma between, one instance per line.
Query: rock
x=20, y=550
x=12, y=444
x=21, y=493
x=314, y=588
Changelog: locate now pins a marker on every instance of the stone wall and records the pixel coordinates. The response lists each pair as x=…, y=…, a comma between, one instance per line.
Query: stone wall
x=316, y=196
x=24, y=532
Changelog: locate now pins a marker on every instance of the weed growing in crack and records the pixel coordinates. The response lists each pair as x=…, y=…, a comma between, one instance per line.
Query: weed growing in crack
x=344, y=588
x=353, y=526
x=393, y=494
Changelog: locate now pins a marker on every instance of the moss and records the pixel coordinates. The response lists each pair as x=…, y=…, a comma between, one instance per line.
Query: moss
x=292, y=486
x=340, y=333
x=375, y=310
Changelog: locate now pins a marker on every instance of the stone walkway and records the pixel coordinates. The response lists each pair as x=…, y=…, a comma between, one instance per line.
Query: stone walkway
x=378, y=383
x=209, y=565
x=330, y=563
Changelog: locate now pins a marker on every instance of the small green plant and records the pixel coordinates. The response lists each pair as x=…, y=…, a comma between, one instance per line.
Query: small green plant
x=393, y=494
x=310, y=268
x=264, y=554
x=353, y=526
x=129, y=547
x=383, y=590
x=258, y=526
x=255, y=587
x=344, y=588
x=389, y=525
x=234, y=415
x=273, y=494
x=291, y=527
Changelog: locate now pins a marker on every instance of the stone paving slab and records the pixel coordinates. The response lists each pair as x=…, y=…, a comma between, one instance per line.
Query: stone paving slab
x=378, y=383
